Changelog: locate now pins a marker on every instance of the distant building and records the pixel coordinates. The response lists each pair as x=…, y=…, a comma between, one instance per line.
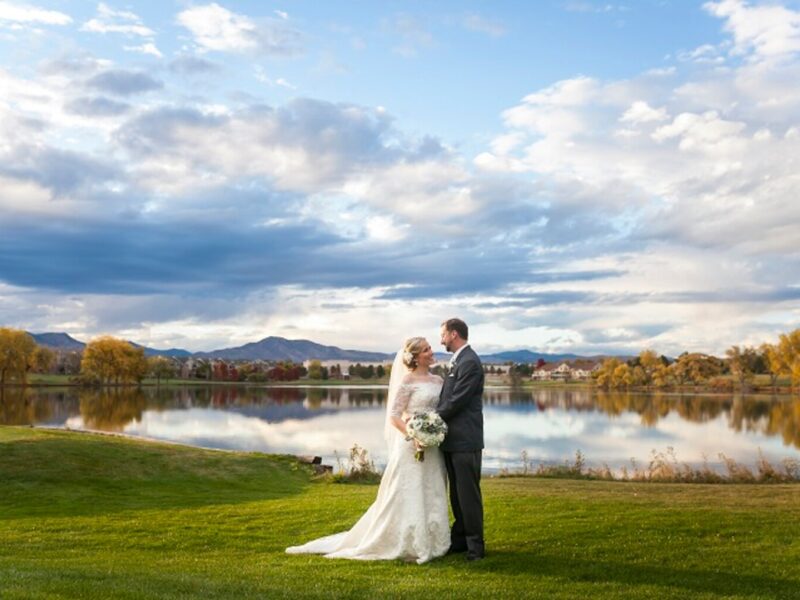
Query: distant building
x=579, y=369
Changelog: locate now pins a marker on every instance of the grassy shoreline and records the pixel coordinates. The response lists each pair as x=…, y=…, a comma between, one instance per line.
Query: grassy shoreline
x=103, y=517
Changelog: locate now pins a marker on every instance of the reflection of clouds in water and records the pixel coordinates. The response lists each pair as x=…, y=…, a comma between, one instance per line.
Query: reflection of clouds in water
x=321, y=436
x=75, y=422
x=616, y=440
x=549, y=431
x=534, y=425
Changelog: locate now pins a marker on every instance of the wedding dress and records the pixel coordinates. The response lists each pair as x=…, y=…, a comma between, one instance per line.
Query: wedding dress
x=409, y=518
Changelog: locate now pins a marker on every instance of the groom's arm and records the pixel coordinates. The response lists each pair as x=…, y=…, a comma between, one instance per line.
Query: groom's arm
x=466, y=387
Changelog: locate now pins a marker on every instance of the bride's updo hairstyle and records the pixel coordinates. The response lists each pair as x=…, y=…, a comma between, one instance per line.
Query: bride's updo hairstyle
x=411, y=350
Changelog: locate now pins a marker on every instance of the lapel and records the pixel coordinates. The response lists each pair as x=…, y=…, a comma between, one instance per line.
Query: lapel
x=461, y=356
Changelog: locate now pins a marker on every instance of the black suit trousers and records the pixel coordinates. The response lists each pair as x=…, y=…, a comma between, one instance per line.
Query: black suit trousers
x=464, y=477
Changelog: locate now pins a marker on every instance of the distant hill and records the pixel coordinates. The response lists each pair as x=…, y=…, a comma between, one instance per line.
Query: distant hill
x=525, y=356
x=176, y=352
x=57, y=341
x=64, y=341
x=278, y=348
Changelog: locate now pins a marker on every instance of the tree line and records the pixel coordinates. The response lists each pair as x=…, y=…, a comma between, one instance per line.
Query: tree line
x=741, y=363
x=111, y=361
x=317, y=371
x=108, y=360
x=20, y=355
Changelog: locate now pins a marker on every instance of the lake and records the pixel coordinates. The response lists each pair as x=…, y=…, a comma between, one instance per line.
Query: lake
x=550, y=424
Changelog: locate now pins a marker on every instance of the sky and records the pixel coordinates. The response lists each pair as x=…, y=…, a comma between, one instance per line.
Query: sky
x=566, y=176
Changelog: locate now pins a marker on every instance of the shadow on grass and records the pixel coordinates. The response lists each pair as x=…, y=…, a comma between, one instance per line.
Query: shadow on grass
x=719, y=582
x=64, y=474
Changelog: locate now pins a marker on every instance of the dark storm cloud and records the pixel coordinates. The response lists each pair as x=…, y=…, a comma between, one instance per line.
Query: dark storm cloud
x=124, y=83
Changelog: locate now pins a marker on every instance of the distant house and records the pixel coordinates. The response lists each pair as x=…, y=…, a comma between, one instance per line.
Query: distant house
x=187, y=368
x=583, y=369
x=579, y=369
x=562, y=372
x=544, y=373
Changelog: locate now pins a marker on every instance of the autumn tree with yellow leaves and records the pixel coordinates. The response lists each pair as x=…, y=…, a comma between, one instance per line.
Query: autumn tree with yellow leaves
x=18, y=354
x=109, y=360
x=789, y=352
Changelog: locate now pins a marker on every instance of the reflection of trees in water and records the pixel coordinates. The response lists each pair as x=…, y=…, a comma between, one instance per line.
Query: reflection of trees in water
x=318, y=397
x=784, y=419
x=111, y=409
x=766, y=416
x=19, y=406
x=367, y=398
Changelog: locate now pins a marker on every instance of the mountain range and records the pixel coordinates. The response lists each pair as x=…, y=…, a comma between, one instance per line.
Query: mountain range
x=278, y=348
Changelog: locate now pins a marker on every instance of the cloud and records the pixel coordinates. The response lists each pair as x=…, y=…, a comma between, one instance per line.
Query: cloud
x=217, y=29
x=306, y=145
x=653, y=210
x=641, y=112
x=109, y=20
x=762, y=32
x=413, y=33
x=147, y=48
x=279, y=82
x=137, y=257
x=480, y=24
x=193, y=65
x=593, y=7
x=123, y=82
x=98, y=106
x=685, y=183
x=129, y=24
x=61, y=172
x=705, y=54
x=77, y=63
x=11, y=12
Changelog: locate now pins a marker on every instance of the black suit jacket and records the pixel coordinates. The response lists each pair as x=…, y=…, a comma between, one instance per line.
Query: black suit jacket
x=461, y=404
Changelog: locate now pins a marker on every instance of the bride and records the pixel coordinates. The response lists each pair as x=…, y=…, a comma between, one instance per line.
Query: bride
x=408, y=519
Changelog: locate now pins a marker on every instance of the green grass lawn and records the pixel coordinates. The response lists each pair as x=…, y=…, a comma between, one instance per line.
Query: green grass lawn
x=85, y=516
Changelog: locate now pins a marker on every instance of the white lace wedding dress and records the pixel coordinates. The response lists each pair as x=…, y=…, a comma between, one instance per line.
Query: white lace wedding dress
x=408, y=519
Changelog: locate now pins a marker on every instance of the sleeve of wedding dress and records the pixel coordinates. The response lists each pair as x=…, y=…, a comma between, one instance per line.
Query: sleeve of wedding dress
x=400, y=401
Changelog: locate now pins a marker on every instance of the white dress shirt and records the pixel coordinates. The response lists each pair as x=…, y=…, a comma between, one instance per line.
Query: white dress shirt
x=455, y=355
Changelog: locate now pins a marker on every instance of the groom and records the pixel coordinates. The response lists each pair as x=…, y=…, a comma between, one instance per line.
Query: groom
x=461, y=407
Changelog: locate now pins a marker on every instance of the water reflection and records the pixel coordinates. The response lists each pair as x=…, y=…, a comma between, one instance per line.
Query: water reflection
x=550, y=424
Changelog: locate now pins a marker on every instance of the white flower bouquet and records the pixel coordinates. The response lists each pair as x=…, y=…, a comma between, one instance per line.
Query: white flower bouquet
x=428, y=429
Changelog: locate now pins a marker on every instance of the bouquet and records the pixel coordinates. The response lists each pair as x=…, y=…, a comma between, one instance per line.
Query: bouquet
x=428, y=429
